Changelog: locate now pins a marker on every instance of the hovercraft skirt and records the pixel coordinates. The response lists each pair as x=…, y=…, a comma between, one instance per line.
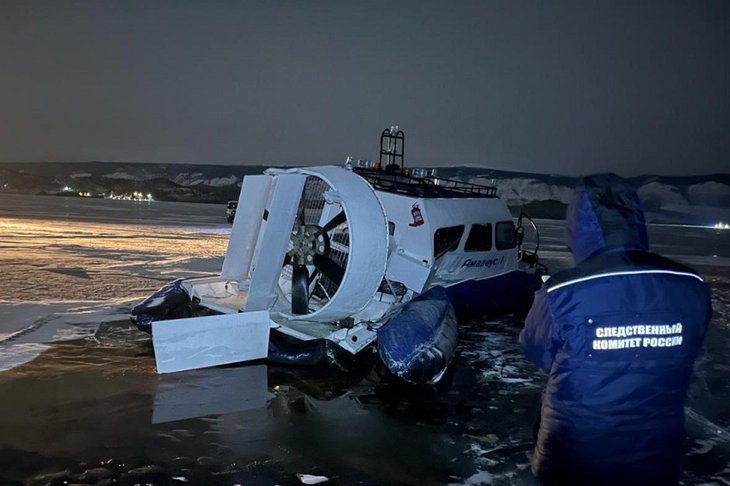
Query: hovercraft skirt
x=418, y=344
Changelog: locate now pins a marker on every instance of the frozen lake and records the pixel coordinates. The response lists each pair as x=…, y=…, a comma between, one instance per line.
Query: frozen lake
x=82, y=402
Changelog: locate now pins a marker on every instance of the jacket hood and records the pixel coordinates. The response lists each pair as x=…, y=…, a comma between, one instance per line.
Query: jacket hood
x=605, y=214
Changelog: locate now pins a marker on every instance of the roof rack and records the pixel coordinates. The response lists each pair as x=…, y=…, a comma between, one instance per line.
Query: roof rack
x=391, y=176
x=427, y=187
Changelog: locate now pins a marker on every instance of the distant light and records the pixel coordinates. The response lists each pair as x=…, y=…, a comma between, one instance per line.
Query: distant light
x=149, y=196
x=722, y=226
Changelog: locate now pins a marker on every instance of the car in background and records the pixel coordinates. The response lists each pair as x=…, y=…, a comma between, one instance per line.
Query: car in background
x=231, y=210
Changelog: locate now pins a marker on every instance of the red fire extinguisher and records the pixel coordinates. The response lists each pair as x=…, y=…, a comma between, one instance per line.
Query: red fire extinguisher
x=417, y=217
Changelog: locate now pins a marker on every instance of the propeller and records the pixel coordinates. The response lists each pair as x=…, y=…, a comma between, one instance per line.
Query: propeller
x=300, y=289
x=333, y=223
x=310, y=247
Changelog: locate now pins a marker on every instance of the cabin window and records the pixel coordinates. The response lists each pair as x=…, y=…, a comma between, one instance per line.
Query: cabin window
x=447, y=239
x=391, y=228
x=480, y=238
x=505, y=235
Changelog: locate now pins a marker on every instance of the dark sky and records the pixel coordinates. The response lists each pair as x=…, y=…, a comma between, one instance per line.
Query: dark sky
x=567, y=87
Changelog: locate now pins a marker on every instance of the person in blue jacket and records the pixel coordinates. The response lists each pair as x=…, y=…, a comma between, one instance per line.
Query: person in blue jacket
x=618, y=335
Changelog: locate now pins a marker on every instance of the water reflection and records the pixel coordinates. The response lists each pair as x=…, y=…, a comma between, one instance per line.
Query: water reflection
x=212, y=391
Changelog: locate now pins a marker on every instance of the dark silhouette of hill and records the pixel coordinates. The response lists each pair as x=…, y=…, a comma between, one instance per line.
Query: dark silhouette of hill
x=541, y=195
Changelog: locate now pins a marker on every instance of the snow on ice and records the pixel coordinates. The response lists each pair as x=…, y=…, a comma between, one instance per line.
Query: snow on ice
x=62, y=279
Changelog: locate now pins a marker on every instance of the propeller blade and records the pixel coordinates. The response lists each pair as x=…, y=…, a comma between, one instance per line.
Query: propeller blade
x=332, y=223
x=300, y=290
x=329, y=267
x=302, y=205
x=313, y=276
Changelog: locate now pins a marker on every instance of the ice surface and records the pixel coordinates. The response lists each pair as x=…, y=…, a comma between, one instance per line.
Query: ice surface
x=68, y=265
x=80, y=389
x=12, y=355
x=27, y=328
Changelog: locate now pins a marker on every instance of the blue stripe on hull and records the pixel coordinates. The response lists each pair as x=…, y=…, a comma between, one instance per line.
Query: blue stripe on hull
x=511, y=292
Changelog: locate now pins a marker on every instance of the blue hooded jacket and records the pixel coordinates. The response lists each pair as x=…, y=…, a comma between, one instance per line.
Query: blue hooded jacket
x=618, y=335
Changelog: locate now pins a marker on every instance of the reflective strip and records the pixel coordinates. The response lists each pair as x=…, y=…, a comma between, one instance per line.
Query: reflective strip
x=618, y=274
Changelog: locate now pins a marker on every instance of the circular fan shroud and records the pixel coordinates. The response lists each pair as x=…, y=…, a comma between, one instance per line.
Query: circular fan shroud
x=368, y=244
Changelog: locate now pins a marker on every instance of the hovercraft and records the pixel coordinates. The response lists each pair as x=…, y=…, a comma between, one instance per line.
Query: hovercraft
x=326, y=263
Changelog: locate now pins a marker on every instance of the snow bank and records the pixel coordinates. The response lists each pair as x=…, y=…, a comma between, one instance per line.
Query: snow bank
x=704, y=205
x=189, y=179
x=222, y=181
x=700, y=204
x=197, y=179
x=519, y=191
x=655, y=196
x=709, y=194
x=120, y=174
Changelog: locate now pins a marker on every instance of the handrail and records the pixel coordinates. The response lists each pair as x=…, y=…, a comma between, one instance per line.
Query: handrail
x=433, y=187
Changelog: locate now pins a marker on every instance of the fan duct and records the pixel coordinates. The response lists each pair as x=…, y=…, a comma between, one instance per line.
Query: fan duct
x=338, y=247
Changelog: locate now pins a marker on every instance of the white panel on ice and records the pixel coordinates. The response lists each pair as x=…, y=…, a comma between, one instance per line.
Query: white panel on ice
x=245, y=231
x=275, y=240
x=200, y=342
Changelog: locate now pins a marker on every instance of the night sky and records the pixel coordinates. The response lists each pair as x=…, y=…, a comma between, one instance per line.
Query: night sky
x=565, y=87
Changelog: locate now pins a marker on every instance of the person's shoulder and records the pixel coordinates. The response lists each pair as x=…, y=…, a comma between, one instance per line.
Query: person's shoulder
x=652, y=261
x=621, y=262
